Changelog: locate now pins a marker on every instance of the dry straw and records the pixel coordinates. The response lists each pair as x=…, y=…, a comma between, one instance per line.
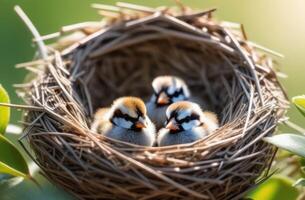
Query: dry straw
x=92, y=63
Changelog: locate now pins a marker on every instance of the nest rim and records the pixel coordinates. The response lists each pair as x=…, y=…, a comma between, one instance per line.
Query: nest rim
x=121, y=149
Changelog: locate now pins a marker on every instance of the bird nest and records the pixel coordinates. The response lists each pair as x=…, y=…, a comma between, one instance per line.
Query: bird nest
x=93, y=63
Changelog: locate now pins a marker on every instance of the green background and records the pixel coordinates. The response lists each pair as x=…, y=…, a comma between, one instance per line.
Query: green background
x=276, y=24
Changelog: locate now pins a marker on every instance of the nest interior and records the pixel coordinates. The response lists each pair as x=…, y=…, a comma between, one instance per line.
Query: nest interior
x=233, y=77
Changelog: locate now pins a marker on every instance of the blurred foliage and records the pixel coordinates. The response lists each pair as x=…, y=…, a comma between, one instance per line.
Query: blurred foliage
x=290, y=142
x=299, y=182
x=14, y=171
x=299, y=102
x=267, y=22
x=4, y=111
x=296, y=145
x=276, y=188
x=11, y=161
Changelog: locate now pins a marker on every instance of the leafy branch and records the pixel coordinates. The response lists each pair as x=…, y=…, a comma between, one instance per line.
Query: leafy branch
x=292, y=142
x=11, y=160
x=289, y=141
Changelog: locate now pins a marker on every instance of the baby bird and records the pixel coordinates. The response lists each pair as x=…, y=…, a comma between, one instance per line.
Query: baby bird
x=167, y=90
x=127, y=121
x=186, y=123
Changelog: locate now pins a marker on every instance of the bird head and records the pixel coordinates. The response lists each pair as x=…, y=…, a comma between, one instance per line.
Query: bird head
x=168, y=90
x=183, y=115
x=129, y=113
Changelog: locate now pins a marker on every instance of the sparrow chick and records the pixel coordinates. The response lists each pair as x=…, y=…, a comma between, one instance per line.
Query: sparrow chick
x=186, y=123
x=127, y=121
x=167, y=90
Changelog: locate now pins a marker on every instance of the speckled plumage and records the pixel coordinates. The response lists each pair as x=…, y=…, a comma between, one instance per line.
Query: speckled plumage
x=190, y=124
x=165, y=138
x=145, y=137
x=106, y=123
x=166, y=86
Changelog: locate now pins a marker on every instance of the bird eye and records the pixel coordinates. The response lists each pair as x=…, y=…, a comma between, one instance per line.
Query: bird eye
x=194, y=116
x=177, y=93
x=172, y=115
x=187, y=119
x=118, y=113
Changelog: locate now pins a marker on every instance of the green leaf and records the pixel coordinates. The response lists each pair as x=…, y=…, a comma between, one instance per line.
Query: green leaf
x=276, y=188
x=299, y=102
x=11, y=160
x=299, y=182
x=4, y=111
x=290, y=142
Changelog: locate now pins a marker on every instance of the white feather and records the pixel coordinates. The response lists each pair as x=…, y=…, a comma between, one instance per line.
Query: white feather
x=116, y=127
x=171, y=89
x=191, y=124
x=165, y=138
x=122, y=122
x=210, y=124
x=192, y=129
x=179, y=98
x=146, y=137
x=182, y=114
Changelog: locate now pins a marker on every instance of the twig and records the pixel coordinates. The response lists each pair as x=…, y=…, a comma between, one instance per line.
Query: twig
x=105, y=7
x=265, y=49
x=136, y=7
x=48, y=37
x=250, y=64
x=41, y=46
x=249, y=111
x=22, y=107
x=243, y=31
x=199, y=14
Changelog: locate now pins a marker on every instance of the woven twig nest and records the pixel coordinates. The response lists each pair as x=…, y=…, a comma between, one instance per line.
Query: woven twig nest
x=120, y=56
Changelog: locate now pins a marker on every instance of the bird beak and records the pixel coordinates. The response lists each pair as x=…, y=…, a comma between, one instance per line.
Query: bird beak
x=141, y=123
x=172, y=126
x=163, y=99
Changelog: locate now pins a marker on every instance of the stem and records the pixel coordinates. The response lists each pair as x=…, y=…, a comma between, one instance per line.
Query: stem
x=41, y=46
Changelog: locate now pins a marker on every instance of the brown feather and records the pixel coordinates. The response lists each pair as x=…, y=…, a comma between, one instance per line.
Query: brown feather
x=212, y=116
x=181, y=105
x=133, y=104
x=100, y=113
